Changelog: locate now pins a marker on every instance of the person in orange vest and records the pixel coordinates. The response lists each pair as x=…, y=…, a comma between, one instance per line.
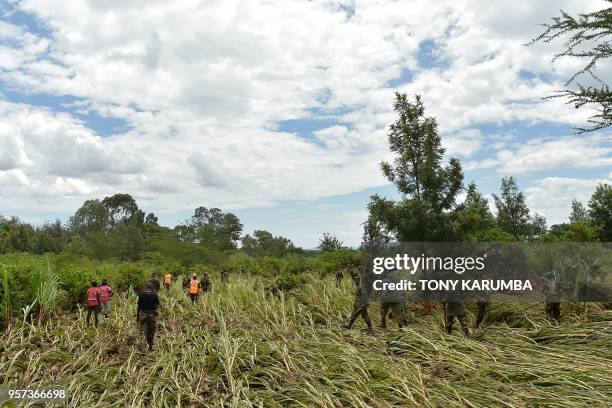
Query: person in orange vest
x=194, y=288
x=105, y=292
x=167, y=280
x=93, y=302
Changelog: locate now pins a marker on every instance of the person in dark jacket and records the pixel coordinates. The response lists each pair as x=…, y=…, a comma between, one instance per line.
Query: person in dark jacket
x=146, y=314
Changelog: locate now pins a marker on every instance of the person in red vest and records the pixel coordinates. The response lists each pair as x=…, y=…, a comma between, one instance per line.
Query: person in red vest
x=194, y=288
x=93, y=302
x=105, y=292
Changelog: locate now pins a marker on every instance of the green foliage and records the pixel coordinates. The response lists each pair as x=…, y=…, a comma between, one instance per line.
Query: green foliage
x=329, y=242
x=429, y=188
x=493, y=235
x=6, y=305
x=211, y=227
x=578, y=231
x=586, y=36
x=600, y=211
x=45, y=289
x=340, y=258
x=263, y=243
x=417, y=170
x=472, y=218
x=285, y=282
x=579, y=213
x=512, y=211
x=130, y=274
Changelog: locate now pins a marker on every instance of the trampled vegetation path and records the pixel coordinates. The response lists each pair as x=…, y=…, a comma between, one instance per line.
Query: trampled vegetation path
x=240, y=347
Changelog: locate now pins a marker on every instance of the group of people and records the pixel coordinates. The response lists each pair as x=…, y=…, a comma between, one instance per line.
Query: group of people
x=453, y=310
x=98, y=301
x=196, y=287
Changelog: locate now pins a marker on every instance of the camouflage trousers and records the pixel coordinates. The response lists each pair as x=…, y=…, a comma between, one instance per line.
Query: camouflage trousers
x=398, y=312
x=148, y=325
x=482, y=310
x=462, y=321
x=553, y=310
x=360, y=308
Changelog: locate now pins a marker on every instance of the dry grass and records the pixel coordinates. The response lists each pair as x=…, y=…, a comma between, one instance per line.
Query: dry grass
x=239, y=348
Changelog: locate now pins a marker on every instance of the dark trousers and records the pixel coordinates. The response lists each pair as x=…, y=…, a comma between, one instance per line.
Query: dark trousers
x=482, y=310
x=95, y=310
x=148, y=326
x=462, y=322
x=360, y=308
x=398, y=313
x=194, y=297
x=553, y=310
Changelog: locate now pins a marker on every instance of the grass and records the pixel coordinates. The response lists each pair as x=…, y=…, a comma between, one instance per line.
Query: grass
x=239, y=347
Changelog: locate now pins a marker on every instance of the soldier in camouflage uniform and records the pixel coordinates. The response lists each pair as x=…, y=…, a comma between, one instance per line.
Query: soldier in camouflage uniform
x=398, y=312
x=339, y=276
x=360, y=307
x=155, y=282
x=454, y=310
x=146, y=314
x=354, y=274
x=205, y=282
x=225, y=275
x=553, y=305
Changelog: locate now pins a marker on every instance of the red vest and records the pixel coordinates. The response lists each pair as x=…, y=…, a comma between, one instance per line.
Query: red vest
x=104, y=293
x=92, y=296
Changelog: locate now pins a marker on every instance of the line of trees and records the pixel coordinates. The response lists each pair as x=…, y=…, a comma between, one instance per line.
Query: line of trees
x=429, y=210
x=116, y=228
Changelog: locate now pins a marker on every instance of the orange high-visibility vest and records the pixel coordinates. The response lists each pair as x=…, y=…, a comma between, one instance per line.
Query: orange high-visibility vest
x=92, y=297
x=168, y=279
x=194, y=285
x=104, y=292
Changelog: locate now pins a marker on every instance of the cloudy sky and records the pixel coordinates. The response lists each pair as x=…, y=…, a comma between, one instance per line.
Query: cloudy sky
x=278, y=110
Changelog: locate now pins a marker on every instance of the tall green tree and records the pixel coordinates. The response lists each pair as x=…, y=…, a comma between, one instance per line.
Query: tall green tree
x=211, y=227
x=579, y=212
x=263, y=242
x=512, y=211
x=586, y=36
x=538, y=224
x=329, y=242
x=600, y=210
x=122, y=209
x=91, y=216
x=472, y=217
x=428, y=187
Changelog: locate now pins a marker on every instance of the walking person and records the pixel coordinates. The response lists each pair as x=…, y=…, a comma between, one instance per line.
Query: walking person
x=105, y=292
x=155, y=282
x=205, y=283
x=93, y=302
x=168, y=280
x=146, y=314
x=454, y=310
x=339, y=276
x=398, y=313
x=225, y=275
x=194, y=288
x=360, y=307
